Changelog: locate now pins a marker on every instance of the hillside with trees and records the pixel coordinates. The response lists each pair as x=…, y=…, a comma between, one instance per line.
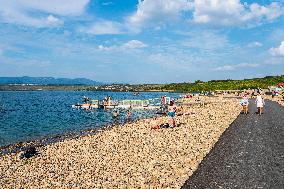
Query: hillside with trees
x=229, y=84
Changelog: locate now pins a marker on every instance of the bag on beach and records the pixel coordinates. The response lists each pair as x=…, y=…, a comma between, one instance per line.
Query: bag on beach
x=164, y=125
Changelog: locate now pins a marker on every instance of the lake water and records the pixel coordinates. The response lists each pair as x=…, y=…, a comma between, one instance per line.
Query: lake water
x=30, y=115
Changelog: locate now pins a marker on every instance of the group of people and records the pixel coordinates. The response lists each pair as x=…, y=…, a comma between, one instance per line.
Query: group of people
x=116, y=114
x=106, y=102
x=259, y=100
x=279, y=94
x=172, y=112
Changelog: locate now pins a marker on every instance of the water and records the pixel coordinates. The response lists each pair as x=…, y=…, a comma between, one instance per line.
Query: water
x=30, y=115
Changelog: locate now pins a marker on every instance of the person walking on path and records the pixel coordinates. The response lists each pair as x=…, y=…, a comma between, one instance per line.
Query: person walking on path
x=245, y=103
x=259, y=103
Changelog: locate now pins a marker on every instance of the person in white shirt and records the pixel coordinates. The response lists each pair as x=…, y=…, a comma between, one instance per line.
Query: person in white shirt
x=259, y=103
x=245, y=103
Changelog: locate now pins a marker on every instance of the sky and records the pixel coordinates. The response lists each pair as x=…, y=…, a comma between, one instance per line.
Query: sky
x=142, y=41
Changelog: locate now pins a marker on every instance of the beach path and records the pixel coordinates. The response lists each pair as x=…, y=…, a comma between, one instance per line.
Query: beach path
x=249, y=154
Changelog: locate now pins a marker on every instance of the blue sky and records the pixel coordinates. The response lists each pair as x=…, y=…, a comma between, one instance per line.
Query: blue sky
x=150, y=41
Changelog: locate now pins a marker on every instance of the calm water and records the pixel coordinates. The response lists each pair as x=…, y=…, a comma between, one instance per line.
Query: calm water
x=29, y=115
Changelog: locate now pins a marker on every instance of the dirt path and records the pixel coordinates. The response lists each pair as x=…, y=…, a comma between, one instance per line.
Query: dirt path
x=249, y=154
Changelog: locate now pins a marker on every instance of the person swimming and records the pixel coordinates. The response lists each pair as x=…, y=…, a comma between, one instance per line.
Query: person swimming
x=128, y=115
x=115, y=116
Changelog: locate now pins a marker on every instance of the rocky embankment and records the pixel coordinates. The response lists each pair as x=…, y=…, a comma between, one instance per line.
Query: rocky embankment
x=127, y=156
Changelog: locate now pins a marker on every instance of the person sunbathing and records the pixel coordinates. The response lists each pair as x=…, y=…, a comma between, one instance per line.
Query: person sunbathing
x=161, y=126
x=181, y=112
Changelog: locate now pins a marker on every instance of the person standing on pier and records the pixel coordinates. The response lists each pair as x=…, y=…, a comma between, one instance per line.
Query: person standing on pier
x=86, y=100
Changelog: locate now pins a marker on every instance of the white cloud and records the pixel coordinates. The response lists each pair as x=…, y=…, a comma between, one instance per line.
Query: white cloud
x=39, y=13
x=233, y=12
x=224, y=68
x=133, y=44
x=158, y=12
x=235, y=67
x=270, y=12
x=208, y=11
x=278, y=51
x=104, y=27
x=21, y=19
x=51, y=20
x=254, y=44
x=211, y=12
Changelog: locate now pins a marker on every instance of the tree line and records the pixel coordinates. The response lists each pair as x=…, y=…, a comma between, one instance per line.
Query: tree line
x=229, y=84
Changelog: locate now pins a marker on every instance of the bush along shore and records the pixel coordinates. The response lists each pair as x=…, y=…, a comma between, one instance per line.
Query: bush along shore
x=126, y=156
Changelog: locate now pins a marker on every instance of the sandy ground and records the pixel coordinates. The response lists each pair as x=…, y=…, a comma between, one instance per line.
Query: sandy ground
x=128, y=156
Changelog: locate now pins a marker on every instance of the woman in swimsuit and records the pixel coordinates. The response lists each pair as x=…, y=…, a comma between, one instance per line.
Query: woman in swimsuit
x=172, y=114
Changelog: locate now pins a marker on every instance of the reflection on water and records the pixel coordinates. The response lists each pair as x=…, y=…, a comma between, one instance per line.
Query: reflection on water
x=29, y=115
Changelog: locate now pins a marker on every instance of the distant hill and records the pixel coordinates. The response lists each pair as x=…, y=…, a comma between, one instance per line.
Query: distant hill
x=47, y=81
x=228, y=84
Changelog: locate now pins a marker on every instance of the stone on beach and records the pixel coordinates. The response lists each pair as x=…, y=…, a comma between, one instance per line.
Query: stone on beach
x=128, y=156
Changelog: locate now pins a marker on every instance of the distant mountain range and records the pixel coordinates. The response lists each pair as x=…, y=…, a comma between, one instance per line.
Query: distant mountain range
x=47, y=81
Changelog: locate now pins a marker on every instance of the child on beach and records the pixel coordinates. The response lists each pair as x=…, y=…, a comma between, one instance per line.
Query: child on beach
x=259, y=103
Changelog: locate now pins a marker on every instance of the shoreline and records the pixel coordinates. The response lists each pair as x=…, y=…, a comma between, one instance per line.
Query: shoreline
x=131, y=155
x=51, y=139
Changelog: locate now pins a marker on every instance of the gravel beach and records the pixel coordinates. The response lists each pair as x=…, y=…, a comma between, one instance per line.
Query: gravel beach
x=277, y=99
x=126, y=156
x=249, y=154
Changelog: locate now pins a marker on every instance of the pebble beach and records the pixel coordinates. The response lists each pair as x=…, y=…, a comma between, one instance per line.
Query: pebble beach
x=127, y=156
x=277, y=99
